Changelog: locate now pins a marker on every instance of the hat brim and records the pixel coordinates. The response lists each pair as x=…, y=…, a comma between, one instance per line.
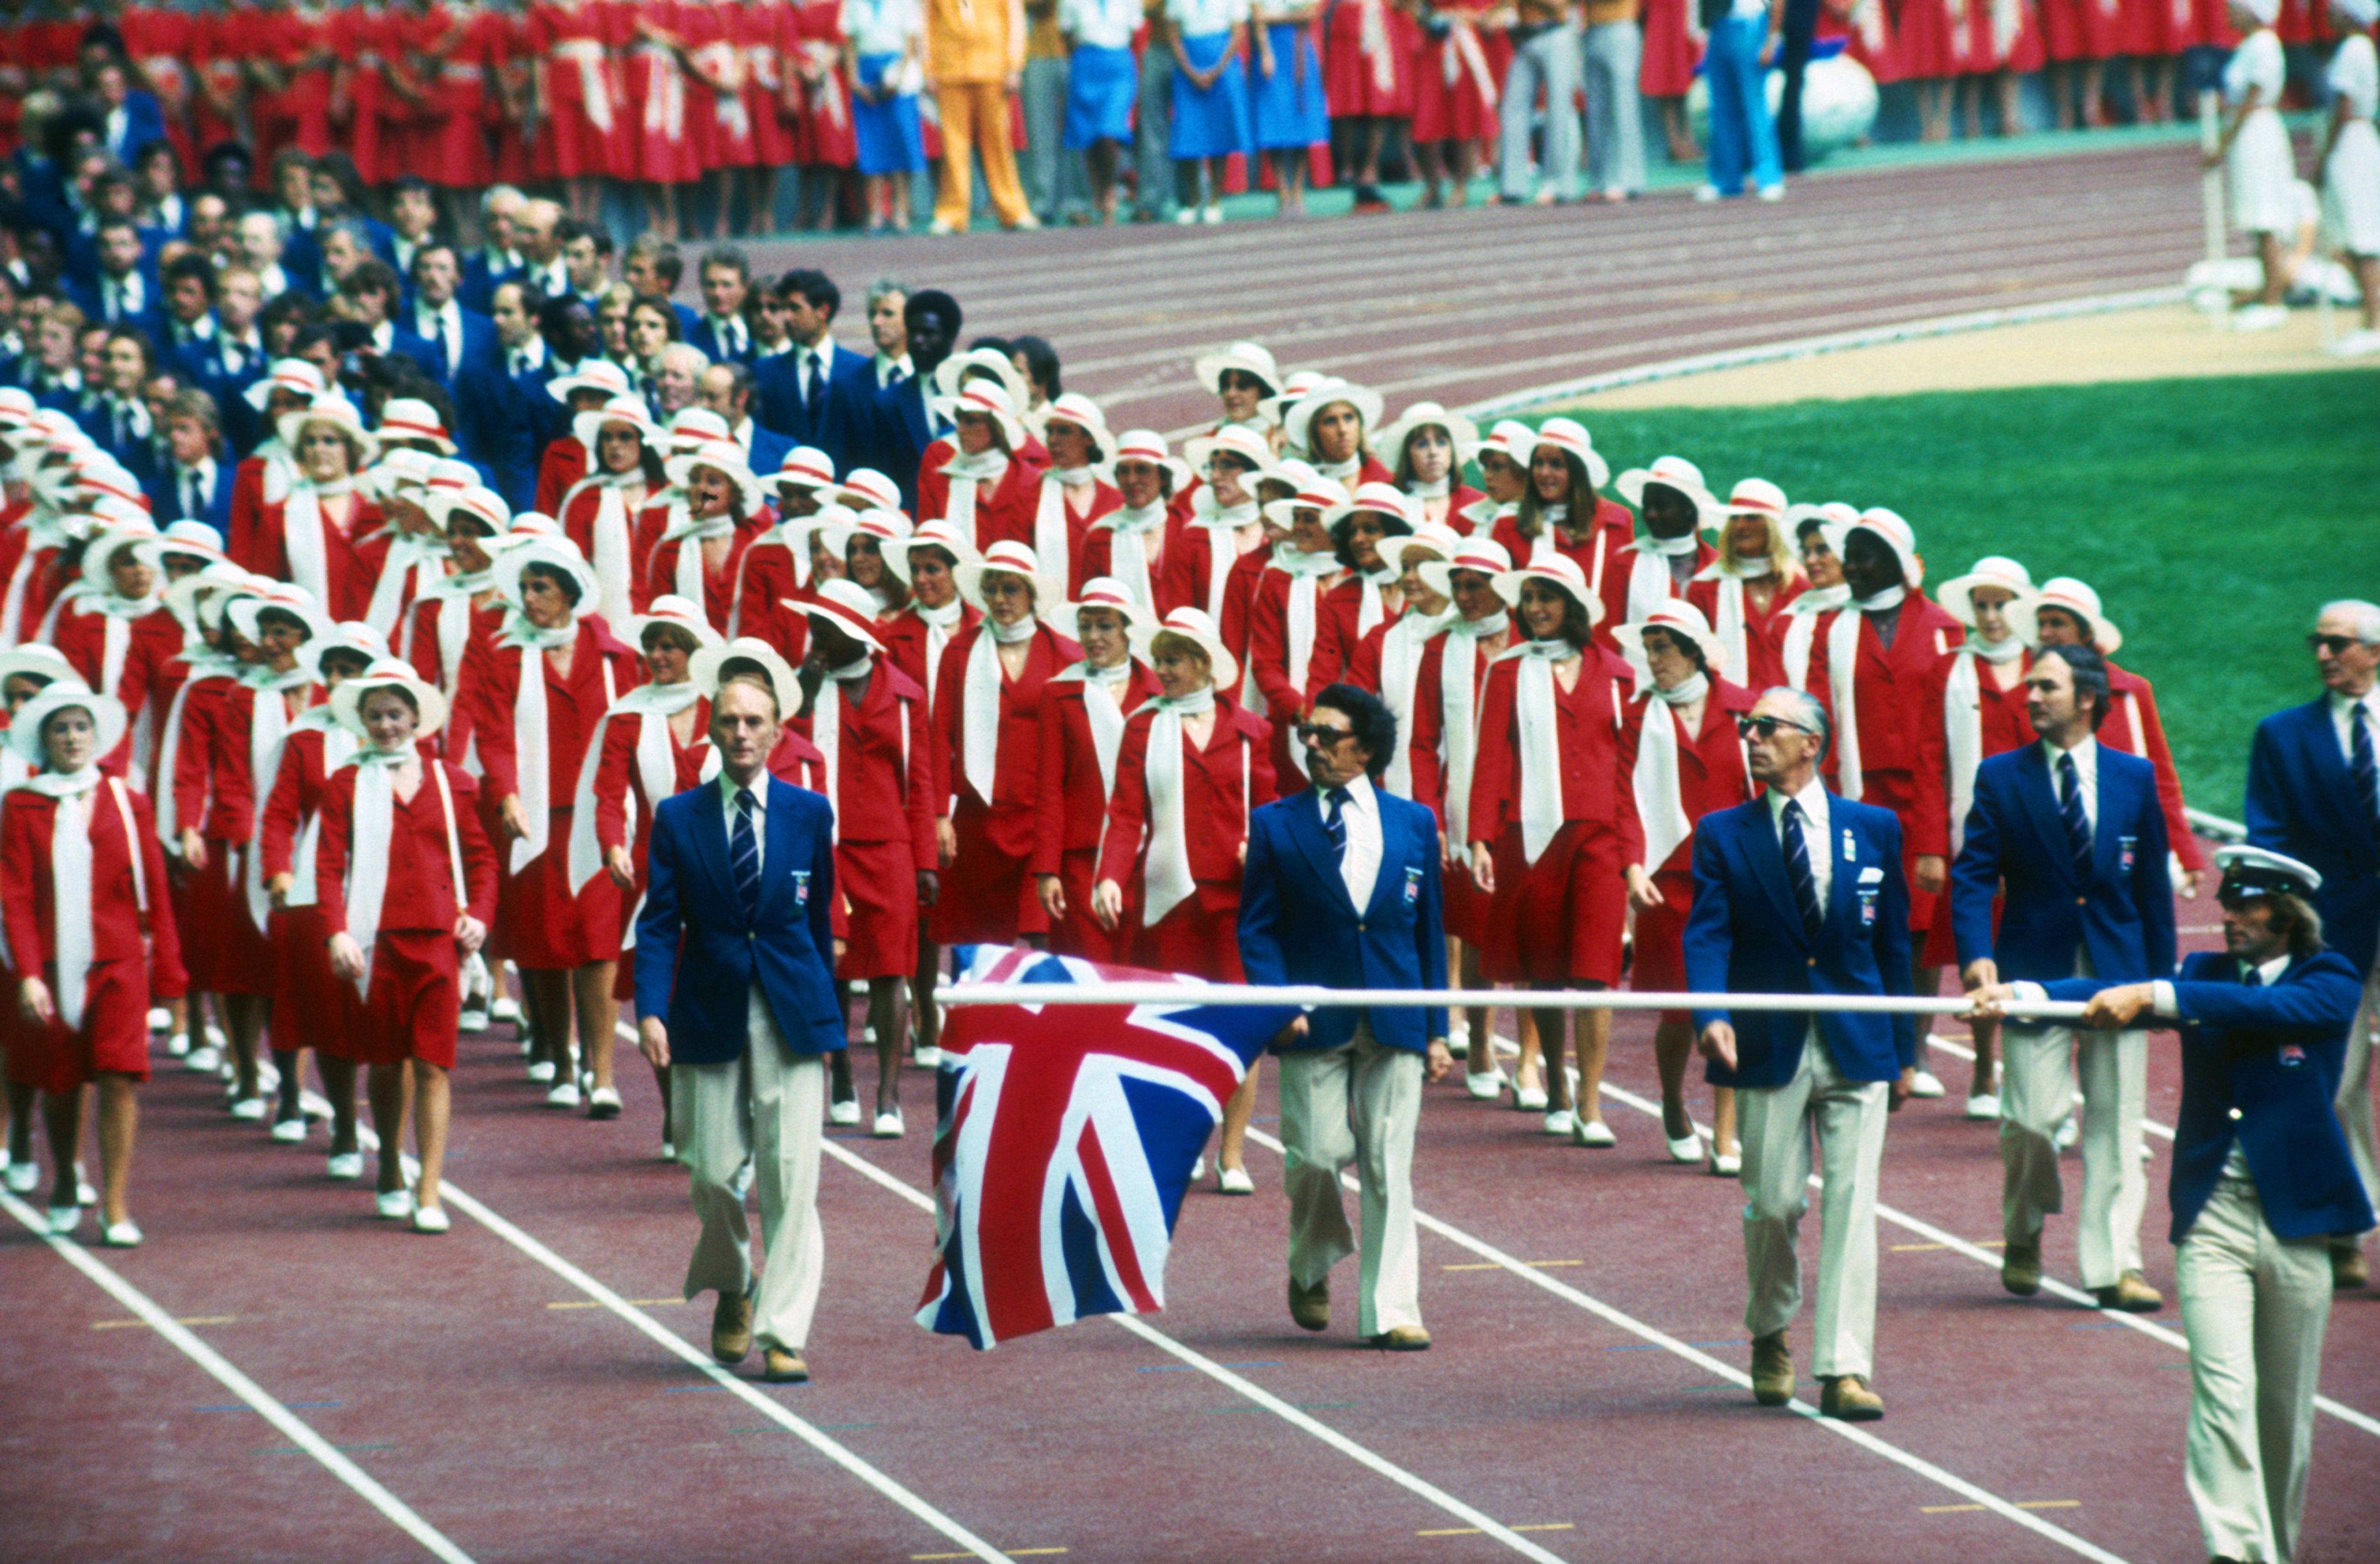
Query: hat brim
x=2105, y=638
x=864, y=634
x=1222, y=668
x=107, y=716
x=1011, y=431
x=1394, y=550
x=1209, y=368
x=1068, y=616
x=242, y=615
x=704, y=672
x=1710, y=512
x=586, y=427
x=510, y=563
x=1632, y=640
x=1460, y=430
x=1048, y=597
x=893, y=551
x=1198, y=452
x=346, y=704
x=1439, y=575
x=1300, y=420
x=1957, y=597
x=1508, y=586
x=292, y=425
x=632, y=632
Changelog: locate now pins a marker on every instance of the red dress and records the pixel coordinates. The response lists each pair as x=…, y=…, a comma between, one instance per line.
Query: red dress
x=1670, y=50
x=1220, y=784
x=243, y=948
x=299, y=114
x=464, y=46
x=585, y=132
x=828, y=138
x=884, y=806
x=312, y=1008
x=766, y=30
x=1005, y=515
x=2003, y=725
x=1195, y=572
x=1286, y=693
x=164, y=45
x=1711, y=776
x=1433, y=733
x=988, y=894
x=200, y=897
x=1597, y=551
x=661, y=98
x=216, y=54
x=1455, y=81
x=1070, y=813
x=1367, y=66
x=621, y=787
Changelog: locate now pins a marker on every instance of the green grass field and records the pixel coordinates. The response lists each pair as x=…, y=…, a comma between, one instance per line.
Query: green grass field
x=2213, y=515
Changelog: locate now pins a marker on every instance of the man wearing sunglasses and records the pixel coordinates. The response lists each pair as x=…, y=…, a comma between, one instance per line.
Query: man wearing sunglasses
x=1800, y=891
x=2313, y=794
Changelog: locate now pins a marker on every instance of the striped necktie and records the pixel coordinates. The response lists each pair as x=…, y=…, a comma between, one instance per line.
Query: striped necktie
x=744, y=855
x=2078, y=825
x=1797, y=870
x=2360, y=764
x=1334, y=823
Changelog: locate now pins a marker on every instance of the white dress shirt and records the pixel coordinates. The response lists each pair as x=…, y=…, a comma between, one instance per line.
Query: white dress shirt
x=727, y=331
x=1360, y=866
x=888, y=370
x=196, y=485
x=2343, y=714
x=728, y=788
x=443, y=325
x=2086, y=776
x=528, y=357
x=1813, y=800
x=123, y=296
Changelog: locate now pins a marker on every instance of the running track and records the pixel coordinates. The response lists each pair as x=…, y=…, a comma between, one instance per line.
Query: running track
x=1468, y=307
x=530, y=1388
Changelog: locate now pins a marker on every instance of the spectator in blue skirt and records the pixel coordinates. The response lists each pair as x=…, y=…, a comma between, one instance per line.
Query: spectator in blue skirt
x=882, y=40
x=1291, y=114
x=1211, y=92
x=1101, y=83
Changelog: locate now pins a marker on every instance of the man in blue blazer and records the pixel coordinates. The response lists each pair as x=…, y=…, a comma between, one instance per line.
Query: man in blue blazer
x=2313, y=792
x=735, y=997
x=2262, y=1178
x=1342, y=888
x=2075, y=834
x=1800, y=891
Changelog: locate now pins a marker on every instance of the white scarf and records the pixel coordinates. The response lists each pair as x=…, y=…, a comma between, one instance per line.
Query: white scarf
x=1962, y=718
x=415, y=558
x=453, y=595
x=1660, y=802
x=608, y=554
x=1650, y=582
x=337, y=745
x=1128, y=531
x=369, y=844
x=826, y=723
x=1167, y=883
x=1343, y=471
x=982, y=699
x=268, y=731
x=1458, y=697
x=70, y=879
x=940, y=623
x=44, y=532
x=1730, y=575
x=530, y=761
x=1305, y=573
x=1842, y=658
x=1222, y=530
x=965, y=473
x=1372, y=605
x=203, y=664
x=689, y=535
x=1100, y=686
x=1401, y=654
x=1802, y=633
x=1549, y=524
x=302, y=524
x=1540, y=740
x=1430, y=489
x=1483, y=514
x=1052, y=545
x=652, y=706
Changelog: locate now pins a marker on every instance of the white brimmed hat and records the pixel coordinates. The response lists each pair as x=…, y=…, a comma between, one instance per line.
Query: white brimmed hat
x=36, y=660
x=1757, y=496
x=1956, y=596
x=1010, y=558
x=1555, y=569
x=1568, y=435
x=595, y=374
x=1673, y=472
x=1679, y=618
x=1294, y=387
x=1482, y=555
x=281, y=597
x=806, y=467
x=1102, y=592
x=109, y=541
x=405, y=418
x=1889, y=529
x=481, y=504
x=1460, y=430
x=337, y=410
x=1148, y=446
x=955, y=373
x=719, y=659
x=723, y=456
x=691, y=426
x=1249, y=357
x=557, y=552
x=845, y=604
x=621, y=409
x=1194, y=624
x=223, y=577
x=1432, y=536
x=891, y=531
x=1316, y=494
x=935, y=535
x=670, y=609
x=865, y=489
x=992, y=400
x=396, y=472
x=389, y=672
x=352, y=635
x=107, y=716
x=1085, y=414
x=2065, y=592
x=1385, y=499
x=1236, y=440
x=1513, y=440
x=1300, y=418
x=293, y=375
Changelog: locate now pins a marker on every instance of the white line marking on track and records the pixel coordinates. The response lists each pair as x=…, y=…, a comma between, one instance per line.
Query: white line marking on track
x=773, y=1411
x=1734, y=1375
x=1418, y=1487
x=240, y=1385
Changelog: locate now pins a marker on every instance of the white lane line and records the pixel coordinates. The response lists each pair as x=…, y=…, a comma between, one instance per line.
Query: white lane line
x=1852, y=1431
x=1961, y=1050
x=240, y=1385
x=774, y=1412
x=1420, y=1487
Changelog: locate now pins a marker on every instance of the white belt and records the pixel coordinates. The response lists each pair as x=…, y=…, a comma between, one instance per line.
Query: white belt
x=589, y=55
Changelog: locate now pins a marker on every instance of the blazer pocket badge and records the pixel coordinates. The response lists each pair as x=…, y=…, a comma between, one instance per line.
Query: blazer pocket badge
x=1867, y=895
x=1851, y=846
x=1412, y=887
x=2292, y=1054
x=2126, y=847
x=801, y=887
x=1871, y=876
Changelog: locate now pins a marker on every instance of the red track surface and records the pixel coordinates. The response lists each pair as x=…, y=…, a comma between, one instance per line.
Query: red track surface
x=523, y=1430
x=1461, y=307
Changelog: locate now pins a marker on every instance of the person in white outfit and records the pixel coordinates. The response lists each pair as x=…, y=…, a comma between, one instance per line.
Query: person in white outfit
x=2349, y=171
x=2255, y=145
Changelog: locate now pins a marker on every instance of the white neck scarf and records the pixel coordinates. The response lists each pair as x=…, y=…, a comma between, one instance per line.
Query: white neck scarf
x=70, y=868
x=203, y=665
x=967, y=473
x=1401, y=654
x=609, y=555
x=370, y=843
x=1540, y=738
x=414, y=561
x=1100, y=687
x=268, y=733
x=1660, y=802
x=45, y=533
x=1735, y=661
x=1167, y=883
x=1802, y=631
x=338, y=745
x=530, y=761
x=984, y=694
x=1372, y=604
x=650, y=706
x=454, y=594
x=1458, y=696
x=1484, y=513
x=1053, y=542
x=1842, y=668
x=1305, y=573
x=689, y=534
x=826, y=720
x=1341, y=470
x=1430, y=489
x=303, y=530
x=1650, y=582
x=1963, y=718
x=941, y=622
x=1128, y=560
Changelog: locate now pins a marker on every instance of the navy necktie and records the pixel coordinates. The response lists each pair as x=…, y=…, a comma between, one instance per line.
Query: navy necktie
x=744, y=855
x=2078, y=825
x=1797, y=870
x=813, y=382
x=2360, y=764
x=2251, y=977
x=1334, y=823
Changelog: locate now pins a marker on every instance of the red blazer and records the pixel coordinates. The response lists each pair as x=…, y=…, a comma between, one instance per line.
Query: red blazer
x=296, y=796
x=1426, y=740
x=1071, y=810
x=1711, y=773
x=797, y=762
x=1899, y=697
x=1239, y=599
x=1185, y=567
x=765, y=573
x=1267, y=656
x=904, y=635
x=660, y=578
x=156, y=640
x=43, y=584
x=28, y=895
x=1214, y=806
x=1080, y=540
x=1596, y=549
x=1618, y=564
x=1337, y=645
x=1017, y=758
x=352, y=556
x=241, y=541
x=2133, y=727
x=196, y=804
x=1764, y=634
x=617, y=777
x=1594, y=786
x=1005, y=513
x=884, y=791
x=421, y=890
x=573, y=705
x=233, y=720
x=427, y=656
x=563, y=463
x=577, y=519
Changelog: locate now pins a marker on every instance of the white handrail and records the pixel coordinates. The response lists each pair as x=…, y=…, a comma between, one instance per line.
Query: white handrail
x=1311, y=996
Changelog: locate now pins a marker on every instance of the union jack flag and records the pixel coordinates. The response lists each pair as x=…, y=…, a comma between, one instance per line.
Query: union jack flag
x=1065, y=1143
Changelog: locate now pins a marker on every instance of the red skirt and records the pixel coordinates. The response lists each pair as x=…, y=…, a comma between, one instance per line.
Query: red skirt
x=878, y=882
x=452, y=149
x=312, y=1007
x=988, y=895
x=1351, y=79
x=1200, y=938
x=1923, y=44
x=112, y=1039
x=1941, y=944
x=774, y=142
x=1443, y=112
x=245, y=956
x=1560, y=920
x=1465, y=910
x=1078, y=933
x=546, y=927
x=201, y=914
x=1660, y=965
x=1670, y=52
x=414, y=1001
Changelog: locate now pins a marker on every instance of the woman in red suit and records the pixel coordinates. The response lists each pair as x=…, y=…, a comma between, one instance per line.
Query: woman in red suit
x=77, y=904
x=1072, y=498
x=1332, y=425
x=772, y=100
x=1553, y=826
x=1083, y=714
x=1504, y=458
x=1285, y=618
x=1441, y=749
x=323, y=536
x=1743, y=594
x=582, y=106
x=1367, y=78
x=783, y=560
x=312, y=1013
x=24, y=674
x=1369, y=596
x=462, y=46
x=1132, y=540
x=1426, y=451
x=875, y=549
x=626, y=470
x=407, y=885
x=1191, y=767
x=988, y=751
x=917, y=634
x=987, y=488
x=1216, y=531
x=868, y=721
x=1681, y=759
x=287, y=55
x=462, y=607
x=533, y=733
x=828, y=140
x=697, y=548
x=113, y=627
x=1562, y=512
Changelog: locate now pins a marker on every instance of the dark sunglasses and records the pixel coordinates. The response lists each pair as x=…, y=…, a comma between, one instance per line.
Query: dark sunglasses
x=1323, y=734
x=1766, y=726
x=2335, y=644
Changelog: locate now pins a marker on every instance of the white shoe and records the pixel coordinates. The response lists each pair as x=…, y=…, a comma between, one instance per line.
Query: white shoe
x=396, y=1204
x=474, y=1018
x=159, y=1019
x=178, y=1046
x=1485, y=1087
x=2148, y=1152
x=842, y=1110
x=1727, y=1166
x=64, y=1219
x=1592, y=1133
x=2259, y=318
x=367, y=1138
x=346, y=1166
x=23, y=1177
x=120, y=1235
x=84, y=1193
x=314, y=1105
x=1984, y=1107
x=668, y=1151
x=527, y=1045
x=1685, y=1148
x=602, y=1102
x=503, y=1012
x=2069, y=1133
x=431, y=1218
x=1771, y=192
x=1187, y=217
x=1559, y=1122
x=565, y=1094
x=249, y=1108
x=1198, y=1168
x=205, y=1058
x=867, y=1036
x=1529, y=1099
x=1212, y=216
x=289, y=1132
x=888, y=1125
x=928, y=1059
x=941, y=229
x=1926, y=1084
x=543, y=1071
x=268, y=1076
x=1707, y=192
x=1234, y=1180
x=2355, y=344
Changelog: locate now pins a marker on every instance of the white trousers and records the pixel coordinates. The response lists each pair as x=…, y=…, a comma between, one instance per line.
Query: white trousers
x=2036, y=1091
x=2255, y=1307
x=1846, y=1118
x=764, y=1107
x=2354, y=1102
x=1358, y=1105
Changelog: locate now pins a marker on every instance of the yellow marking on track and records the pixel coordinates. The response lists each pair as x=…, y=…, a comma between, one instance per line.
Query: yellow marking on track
x=1535, y=1264
x=1950, y=1508
x=143, y=1325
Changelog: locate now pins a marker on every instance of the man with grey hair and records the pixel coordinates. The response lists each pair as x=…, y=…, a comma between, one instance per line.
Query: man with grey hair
x=498, y=258
x=888, y=326
x=677, y=369
x=2313, y=794
x=261, y=243
x=1800, y=891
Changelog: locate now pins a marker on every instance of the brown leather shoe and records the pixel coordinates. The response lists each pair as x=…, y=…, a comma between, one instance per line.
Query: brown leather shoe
x=1400, y=1339
x=782, y=1366
x=1310, y=1307
x=731, y=1327
x=2021, y=1268
x=2131, y=1295
x=2348, y=1268
x=1772, y=1370
x=1848, y=1398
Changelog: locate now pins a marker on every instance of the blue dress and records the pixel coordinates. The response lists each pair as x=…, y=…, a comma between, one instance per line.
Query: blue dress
x=1290, y=108
x=1102, y=86
x=889, y=137
x=1213, y=123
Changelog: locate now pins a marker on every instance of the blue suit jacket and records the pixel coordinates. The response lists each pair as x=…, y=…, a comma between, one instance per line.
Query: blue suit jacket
x=499, y=416
x=478, y=290
x=165, y=499
x=2263, y=1064
x=2301, y=802
x=900, y=428
x=2123, y=917
x=845, y=414
x=703, y=336
x=144, y=121
x=1744, y=937
x=768, y=450
x=698, y=955
x=481, y=346
x=1297, y=923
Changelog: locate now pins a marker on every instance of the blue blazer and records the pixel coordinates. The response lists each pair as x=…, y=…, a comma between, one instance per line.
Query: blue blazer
x=845, y=411
x=701, y=334
x=1298, y=925
x=499, y=414
x=144, y=121
x=480, y=347
x=900, y=429
x=2123, y=917
x=768, y=450
x=2301, y=802
x=1744, y=937
x=697, y=955
x=2263, y=1064
x=166, y=498
x=477, y=292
